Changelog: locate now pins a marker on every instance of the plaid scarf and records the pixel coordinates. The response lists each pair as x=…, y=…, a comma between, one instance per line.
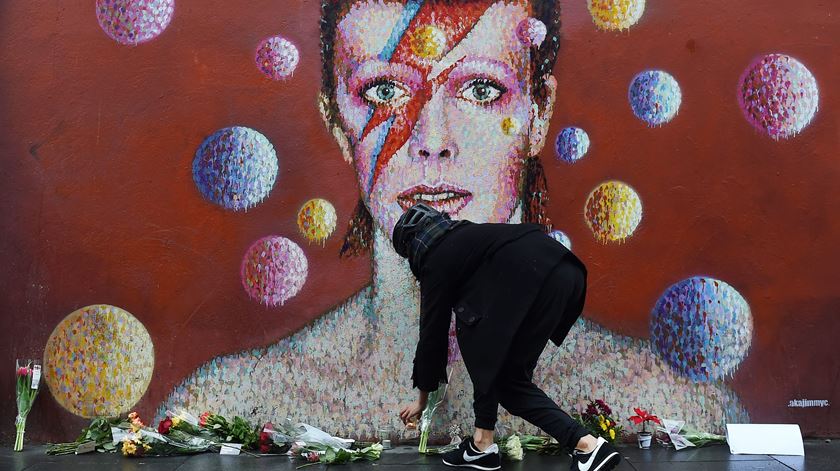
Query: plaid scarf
x=426, y=238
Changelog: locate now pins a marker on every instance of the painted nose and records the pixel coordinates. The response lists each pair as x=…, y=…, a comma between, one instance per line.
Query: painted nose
x=432, y=137
x=443, y=153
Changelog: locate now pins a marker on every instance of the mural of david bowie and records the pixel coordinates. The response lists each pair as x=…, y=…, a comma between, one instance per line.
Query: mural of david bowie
x=512, y=288
x=440, y=102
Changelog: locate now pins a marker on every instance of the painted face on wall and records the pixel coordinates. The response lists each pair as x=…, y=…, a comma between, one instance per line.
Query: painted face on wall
x=435, y=105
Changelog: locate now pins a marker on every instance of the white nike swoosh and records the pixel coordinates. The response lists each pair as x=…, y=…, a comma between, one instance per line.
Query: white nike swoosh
x=585, y=467
x=469, y=458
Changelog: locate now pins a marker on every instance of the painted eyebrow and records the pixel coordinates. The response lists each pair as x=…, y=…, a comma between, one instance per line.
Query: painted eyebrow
x=374, y=67
x=474, y=63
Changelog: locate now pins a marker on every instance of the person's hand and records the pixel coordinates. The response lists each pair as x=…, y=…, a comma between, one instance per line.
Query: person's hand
x=412, y=411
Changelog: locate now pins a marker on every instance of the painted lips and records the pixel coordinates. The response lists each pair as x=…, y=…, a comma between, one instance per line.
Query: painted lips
x=444, y=198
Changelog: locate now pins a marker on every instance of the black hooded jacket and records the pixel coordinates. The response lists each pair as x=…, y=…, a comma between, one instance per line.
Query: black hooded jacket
x=489, y=275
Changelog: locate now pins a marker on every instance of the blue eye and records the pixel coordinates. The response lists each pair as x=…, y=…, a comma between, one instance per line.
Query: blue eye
x=481, y=91
x=385, y=92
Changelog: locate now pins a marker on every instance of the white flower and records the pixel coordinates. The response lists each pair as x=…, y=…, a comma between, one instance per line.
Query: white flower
x=513, y=448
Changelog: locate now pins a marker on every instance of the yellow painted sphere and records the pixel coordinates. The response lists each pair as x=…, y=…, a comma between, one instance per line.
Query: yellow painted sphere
x=428, y=42
x=99, y=361
x=616, y=14
x=317, y=220
x=613, y=211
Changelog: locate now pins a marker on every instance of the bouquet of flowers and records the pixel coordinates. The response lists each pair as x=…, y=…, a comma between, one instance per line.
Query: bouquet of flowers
x=316, y=453
x=541, y=444
x=597, y=418
x=97, y=434
x=435, y=399
x=28, y=375
x=511, y=448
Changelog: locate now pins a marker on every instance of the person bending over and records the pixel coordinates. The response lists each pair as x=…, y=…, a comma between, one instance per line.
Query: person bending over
x=512, y=289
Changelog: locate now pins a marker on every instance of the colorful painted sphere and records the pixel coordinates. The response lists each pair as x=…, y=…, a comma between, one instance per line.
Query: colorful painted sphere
x=235, y=168
x=131, y=22
x=509, y=125
x=317, y=219
x=615, y=14
x=655, y=97
x=571, y=144
x=778, y=95
x=99, y=361
x=613, y=211
x=428, y=42
x=274, y=270
x=702, y=327
x=277, y=58
x=531, y=32
x=561, y=237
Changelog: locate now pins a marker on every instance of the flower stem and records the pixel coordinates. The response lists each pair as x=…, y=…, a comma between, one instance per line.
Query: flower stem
x=20, y=428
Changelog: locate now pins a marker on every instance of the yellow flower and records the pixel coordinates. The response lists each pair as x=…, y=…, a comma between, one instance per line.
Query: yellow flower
x=601, y=419
x=175, y=421
x=128, y=448
x=612, y=433
x=603, y=426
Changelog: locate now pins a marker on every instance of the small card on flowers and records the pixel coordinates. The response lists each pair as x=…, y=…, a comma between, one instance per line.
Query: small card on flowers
x=230, y=449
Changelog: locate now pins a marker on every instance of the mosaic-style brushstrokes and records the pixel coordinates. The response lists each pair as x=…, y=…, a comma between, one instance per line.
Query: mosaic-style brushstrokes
x=613, y=211
x=350, y=366
x=277, y=58
x=616, y=14
x=531, y=32
x=655, y=97
x=235, y=168
x=274, y=270
x=702, y=327
x=317, y=219
x=778, y=95
x=447, y=103
x=98, y=361
x=132, y=22
x=572, y=144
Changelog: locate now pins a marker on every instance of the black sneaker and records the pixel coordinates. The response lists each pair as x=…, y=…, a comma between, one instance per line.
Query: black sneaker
x=467, y=456
x=602, y=458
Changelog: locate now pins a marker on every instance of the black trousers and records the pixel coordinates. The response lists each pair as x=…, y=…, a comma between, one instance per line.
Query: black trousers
x=558, y=305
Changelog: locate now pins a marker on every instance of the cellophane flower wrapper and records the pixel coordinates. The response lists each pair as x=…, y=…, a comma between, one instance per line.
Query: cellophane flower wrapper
x=325, y=454
x=704, y=438
x=27, y=384
x=435, y=399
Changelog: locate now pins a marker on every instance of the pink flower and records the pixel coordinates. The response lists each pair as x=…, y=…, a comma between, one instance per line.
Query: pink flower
x=313, y=457
x=202, y=419
x=23, y=371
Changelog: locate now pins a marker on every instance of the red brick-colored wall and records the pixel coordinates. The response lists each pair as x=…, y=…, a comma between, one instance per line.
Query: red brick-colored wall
x=98, y=202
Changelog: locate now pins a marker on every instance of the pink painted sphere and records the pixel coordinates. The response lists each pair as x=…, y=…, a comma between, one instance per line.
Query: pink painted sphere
x=531, y=32
x=277, y=58
x=274, y=270
x=131, y=22
x=778, y=95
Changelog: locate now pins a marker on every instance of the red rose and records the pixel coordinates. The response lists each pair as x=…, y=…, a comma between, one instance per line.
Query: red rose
x=202, y=419
x=164, y=426
x=265, y=447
